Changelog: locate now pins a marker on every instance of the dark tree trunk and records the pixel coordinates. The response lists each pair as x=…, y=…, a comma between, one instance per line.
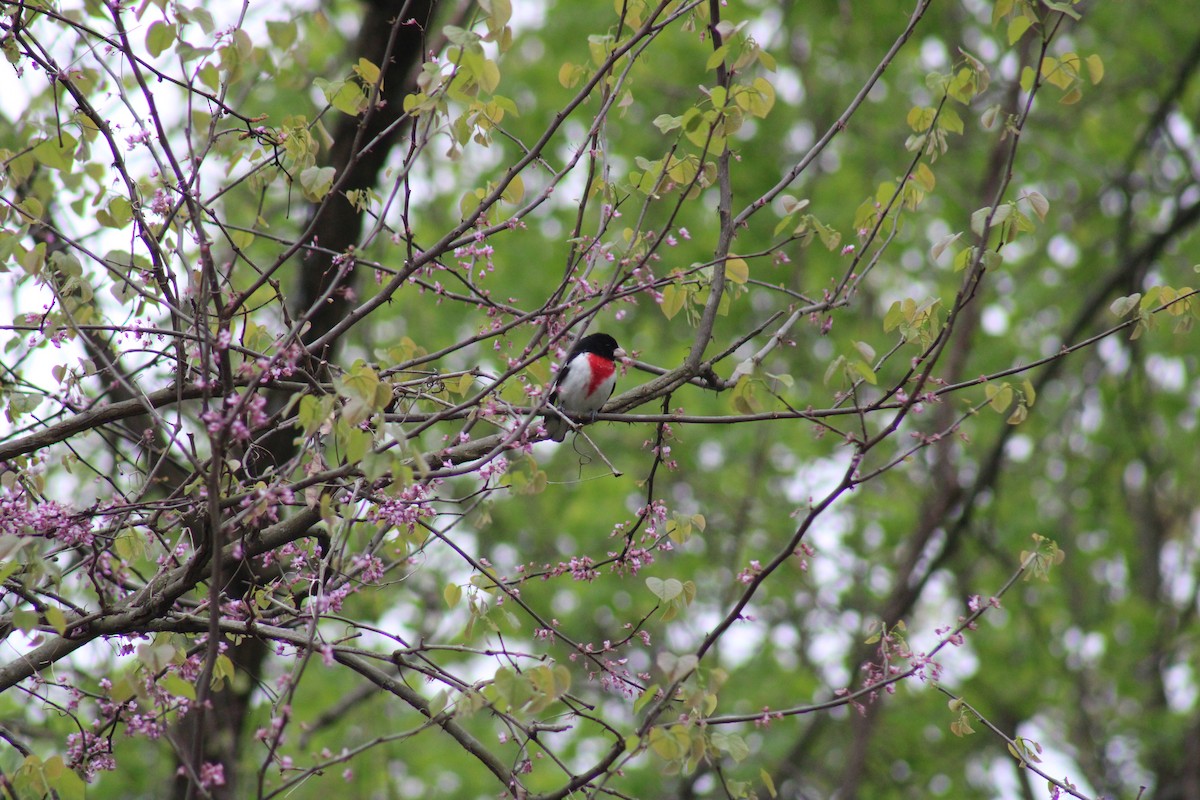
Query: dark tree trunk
x=393, y=37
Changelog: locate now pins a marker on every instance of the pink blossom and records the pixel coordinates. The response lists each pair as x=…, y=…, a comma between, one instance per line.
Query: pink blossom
x=48, y=519
x=89, y=754
x=408, y=509
x=211, y=774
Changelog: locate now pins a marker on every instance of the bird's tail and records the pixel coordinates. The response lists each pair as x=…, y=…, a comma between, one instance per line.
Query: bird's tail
x=556, y=426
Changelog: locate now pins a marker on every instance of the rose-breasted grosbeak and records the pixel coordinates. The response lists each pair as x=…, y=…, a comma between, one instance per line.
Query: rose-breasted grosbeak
x=585, y=382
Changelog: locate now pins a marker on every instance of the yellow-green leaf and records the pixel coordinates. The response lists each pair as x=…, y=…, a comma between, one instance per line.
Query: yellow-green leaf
x=223, y=670
x=864, y=370
x=924, y=177
x=1028, y=76
x=367, y=71
x=673, y=298
x=737, y=270
x=920, y=118
x=54, y=155
x=717, y=57
x=999, y=396
x=316, y=182
x=569, y=75
x=1039, y=204
x=515, y=191
x=950, y=121
x=767, y=782
x=159, y=37
x=24, y=620
x=282, y=34
x=210, y=76
x=57, y=619
x=177, y=686
x=1017, y=27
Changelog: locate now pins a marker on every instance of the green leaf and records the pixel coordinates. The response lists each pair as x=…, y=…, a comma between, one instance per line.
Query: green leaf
x=281, y=33
x=368, y=71
x=791, y=205
x=744, y=398
x=1123, y=305
x=666, y=590
x=24, y=619
x=835, y=366
x=765, y=777
x=717, y=57
x=669, y=744
x=673, y=298
x=1029, y=392
x=963, y=86
x=893, y=317
x=645, y=697
x=730, y=743
x=758, y=99
x=950, y=121
x=1028, y=76
x=979, y=219
x=1039, y=204
x=317, y=181
x=1063, y=8
x=1071, y=97
x=313, y=412
x=999, y=396
x=117, y=214
x=65, y=783
x=177, y=686
x=667, y=123
x=359, y=382
x=865, y=350
x=352, y=442
x=210, y=76
x=865, y=371
x=921, y=117
x=940, y=246
x=159, y=37
x=829, y=237
x=57, y=154
x=56, y=619
x=514, y=192
x=676, y=667
x=569, y=75
x=737, y=270
x=201, y=17
x=223, y=671
x=1017, y=27
x=31, y=209
x=346, y=96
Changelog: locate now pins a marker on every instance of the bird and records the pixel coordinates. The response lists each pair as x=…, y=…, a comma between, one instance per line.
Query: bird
x=585, y=382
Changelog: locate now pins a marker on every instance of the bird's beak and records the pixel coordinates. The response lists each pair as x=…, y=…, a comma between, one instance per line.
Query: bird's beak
x=619, y=353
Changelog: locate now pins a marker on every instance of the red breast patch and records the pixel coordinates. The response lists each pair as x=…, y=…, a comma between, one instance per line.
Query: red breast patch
x=602, y=370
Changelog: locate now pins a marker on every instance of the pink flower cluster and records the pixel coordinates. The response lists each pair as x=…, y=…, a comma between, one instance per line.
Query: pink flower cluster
x=240, y=423
x=48, y=520
x=263, y=504
x=408, y=509
x=89, y=754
